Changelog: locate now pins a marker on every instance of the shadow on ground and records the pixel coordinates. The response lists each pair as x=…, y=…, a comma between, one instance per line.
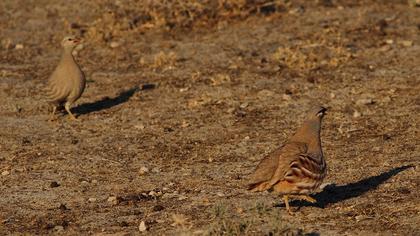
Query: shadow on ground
x=105, y=103
x=333, y=193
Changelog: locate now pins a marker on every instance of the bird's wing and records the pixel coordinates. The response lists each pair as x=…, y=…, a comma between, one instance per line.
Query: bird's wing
x=273, y=167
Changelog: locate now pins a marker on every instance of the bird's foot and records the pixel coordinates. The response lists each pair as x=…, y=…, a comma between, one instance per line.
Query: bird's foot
x=306, y=198
x=286, y=202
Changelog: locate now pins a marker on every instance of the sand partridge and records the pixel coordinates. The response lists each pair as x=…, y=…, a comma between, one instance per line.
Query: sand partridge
x=298, y=167
x=67, y=82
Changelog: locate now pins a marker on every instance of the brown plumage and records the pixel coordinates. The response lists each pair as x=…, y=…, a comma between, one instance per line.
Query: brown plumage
x=67, y=83
x=298, y=168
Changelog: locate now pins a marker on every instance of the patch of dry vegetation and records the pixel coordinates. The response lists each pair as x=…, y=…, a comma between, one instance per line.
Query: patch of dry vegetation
x=119, y=17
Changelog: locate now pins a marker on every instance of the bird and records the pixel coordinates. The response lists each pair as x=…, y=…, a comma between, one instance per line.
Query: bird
x=296, y=169
x=67, y=82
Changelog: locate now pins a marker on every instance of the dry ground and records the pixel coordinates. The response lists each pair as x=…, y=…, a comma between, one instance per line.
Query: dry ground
x=176, y=114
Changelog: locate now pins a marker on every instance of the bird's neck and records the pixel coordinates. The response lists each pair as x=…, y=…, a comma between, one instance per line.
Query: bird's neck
x=309, y=133
x=67, y=55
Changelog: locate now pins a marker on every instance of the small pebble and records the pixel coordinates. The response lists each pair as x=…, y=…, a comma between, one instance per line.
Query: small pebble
x=4, y=173
x=92, y=199
x=364, y=101
x=140, y=127
x=357, y=114
x=113, y=200
x=54, y=184
x=142, y=226
x=407, y=43
x=19, y=46
x=58, y=228
x=286, y=97
x=220, y=194
x=389, y=41
x=143, y=170
x=114, y=44
x=244, y=105
x=376, y=149
x=182, y=198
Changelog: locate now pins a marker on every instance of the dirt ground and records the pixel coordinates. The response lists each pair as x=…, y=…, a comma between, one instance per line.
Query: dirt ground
x=176, y=116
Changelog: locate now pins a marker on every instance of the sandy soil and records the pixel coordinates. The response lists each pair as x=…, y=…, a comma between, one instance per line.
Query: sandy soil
x=173, y=120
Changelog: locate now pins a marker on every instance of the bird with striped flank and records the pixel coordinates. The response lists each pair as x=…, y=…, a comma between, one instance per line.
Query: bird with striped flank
x=67, y=83
x=296, y=169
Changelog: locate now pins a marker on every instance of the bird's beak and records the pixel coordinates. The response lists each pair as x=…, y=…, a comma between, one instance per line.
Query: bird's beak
x=322, y=111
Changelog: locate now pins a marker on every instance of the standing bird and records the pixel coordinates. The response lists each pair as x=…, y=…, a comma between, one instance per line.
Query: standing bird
x=67, y=83
x=296, y=169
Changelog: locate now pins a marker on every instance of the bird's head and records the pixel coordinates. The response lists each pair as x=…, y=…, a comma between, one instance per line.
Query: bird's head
x=317, y=112
x=69, y=42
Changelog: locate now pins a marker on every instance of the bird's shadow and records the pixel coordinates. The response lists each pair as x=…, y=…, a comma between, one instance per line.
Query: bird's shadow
x=106, y=102
x=337, y=193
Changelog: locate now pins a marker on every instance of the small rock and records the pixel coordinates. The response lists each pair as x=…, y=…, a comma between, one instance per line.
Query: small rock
x=143, y=170
x=364, y=101
x=114, y=44
x=185, y=124
x=376, y=149
x=155, y=170
x=182, y=198
x=113, y=200
x=58, y=228
x=94, y=181
x=142, y=226
x=230, y=110
x=286, y=97
x=332, y=95
x=357, y=114
x=152, y=193
x=389, y=41
x=19, y=46
x=84, y=182
x=63, y=207
x=385, y=48
x=244, y=105
x=54, y=184
x=247, y=138
x=219, y=194
x=386, y=99
x=4, y=173
x=407, y=43
x=140, y=127
x=92, y=199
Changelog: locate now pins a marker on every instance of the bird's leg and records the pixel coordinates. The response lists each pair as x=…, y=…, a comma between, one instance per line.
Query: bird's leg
x=306, y=198
x=53, y=113
x=286, y=202
x=67, y=107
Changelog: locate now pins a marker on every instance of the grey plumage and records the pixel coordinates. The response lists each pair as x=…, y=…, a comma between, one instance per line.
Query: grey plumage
x=67, y=83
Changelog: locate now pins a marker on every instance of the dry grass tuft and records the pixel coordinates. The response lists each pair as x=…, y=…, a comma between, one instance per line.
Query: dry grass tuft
x=311, y=56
